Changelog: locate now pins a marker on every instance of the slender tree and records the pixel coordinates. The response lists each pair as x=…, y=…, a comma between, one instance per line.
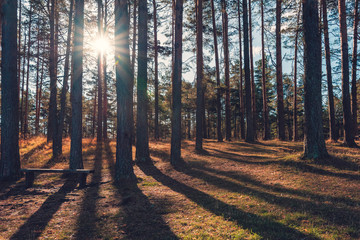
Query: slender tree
x=199, y=76
x=354, y=107
x=295, y=132
x=99, y=134
x=332, y=125
x=157, y=136
x=253, y=99
x=218, y=90
x=175, y=156
x=314, y=143
x=124, y=76
x=249, y=116
x=279, y=81
x=37, y=108
x=10, y=157
x=76, y=88
x=105, y=101
x=227, y=71
x=241, y=90
x=142, y=132
x=263, y=77
x=348, y=128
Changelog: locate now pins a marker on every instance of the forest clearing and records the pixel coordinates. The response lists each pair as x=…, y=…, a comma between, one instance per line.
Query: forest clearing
x=233, y=190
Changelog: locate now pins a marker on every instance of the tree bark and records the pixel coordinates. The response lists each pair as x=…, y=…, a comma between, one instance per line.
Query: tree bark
x=124, y=78
x=37, y=84
x=314, y=143
x=199, y=77
x=241, y=90
x=142, y=131
x=333, y=130
x=253, y=100
x=348, y=127
x=100, y=77
x=354, y=106
x=175, y=156
x=218, y=90
x=19, y=44
x=279, y=80
x=76, y=101
x=249, y=116
x=105, y=101
x=295, y=132
x=10, y=157
x=156, y=75
x=26, y=121
x=227, y=71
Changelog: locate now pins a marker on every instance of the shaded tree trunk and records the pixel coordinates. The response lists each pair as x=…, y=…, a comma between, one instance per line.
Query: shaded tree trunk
x=199, y=77
x=26, y=121
x=348, y=127
x=76, y=88
x=263, y=77
x=241, y=90
x=175, y=156
x=218, y=90
x=249, y=116
x=314, y=143
x=124, y=78
x=227, y=71
x=253, y=100
x=94, y=116
x=10, y=157
x=19, y=43
x=295, y=132
x=105, y=101
x=354, y=107
x=37, y=108
x=133, y=66
x=100, y=77
x=156, y=75
x=142, y=131
x=22, y=89
x=333, y=130
x=279, y=81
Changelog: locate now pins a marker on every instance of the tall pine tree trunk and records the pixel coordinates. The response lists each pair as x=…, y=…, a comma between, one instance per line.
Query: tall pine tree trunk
x=249, y=116
x=333, y=130
x=263, y=77
x=227, y=71
x=142, y=131
x=354, y=107
x=314, y=143
x=218, y=90
x=37, y=84
x=100, y=77
x=26, y=121
x=241, y=90
x=124, y=78
x=199, y=77
x=295, y=132
x=348, y=127
x=279, y=80
x=76, y=88
x=133, y=65
x=10, y=158
x=105, y=101
x=253, y=100
x=19, y=45
x=156, y=75
x=175, y=156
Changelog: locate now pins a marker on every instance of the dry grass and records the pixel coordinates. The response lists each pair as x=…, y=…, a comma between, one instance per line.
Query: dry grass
x=233, y=190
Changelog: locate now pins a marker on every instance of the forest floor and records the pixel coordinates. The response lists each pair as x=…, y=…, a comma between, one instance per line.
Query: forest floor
x=232, y=190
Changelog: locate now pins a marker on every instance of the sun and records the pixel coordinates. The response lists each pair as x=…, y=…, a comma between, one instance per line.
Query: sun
x=101, y=45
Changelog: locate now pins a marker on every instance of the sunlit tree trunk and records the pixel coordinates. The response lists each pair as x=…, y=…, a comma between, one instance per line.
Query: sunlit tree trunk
x=124, y=78
x=142, y=131
x=218, y=90
x=156, y=74
x=354, y=107
x=26, y=121
x=37, y=107
x=10, y=158
x=227, y=71
x=279, y=81
x=348, y=127
x=314, y=143
x=199, y=77
x=253, y=100
x=22, y=88
x=76, y=101
x=263, y=78
x=175, y=156
x=295, y=132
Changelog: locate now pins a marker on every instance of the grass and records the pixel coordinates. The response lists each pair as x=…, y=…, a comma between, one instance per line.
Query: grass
x=233, y=190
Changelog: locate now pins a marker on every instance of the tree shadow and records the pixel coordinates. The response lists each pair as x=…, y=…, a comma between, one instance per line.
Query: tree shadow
x=333, y=214
x=265, y=227
x=25, y=158
x=141, y=220
x=38, y=221
x=86, y=224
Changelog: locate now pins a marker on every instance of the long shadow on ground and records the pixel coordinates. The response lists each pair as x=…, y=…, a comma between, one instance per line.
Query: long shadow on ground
x=266, y=228
x=87, y=228
x=36, y=224
x=140, y=219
